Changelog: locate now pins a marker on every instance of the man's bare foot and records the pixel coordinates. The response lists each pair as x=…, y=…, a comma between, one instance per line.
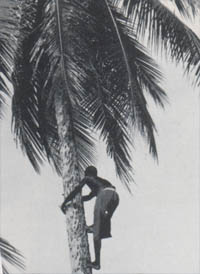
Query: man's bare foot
x=89, y=229
x=94, y=265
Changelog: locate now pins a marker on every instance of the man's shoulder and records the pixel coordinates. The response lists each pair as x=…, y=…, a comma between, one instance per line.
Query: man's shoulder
x=104, y=181
x=89, y=180
x=98, y=181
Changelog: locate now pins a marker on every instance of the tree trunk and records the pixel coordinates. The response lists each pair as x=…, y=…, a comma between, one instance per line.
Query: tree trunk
x=75, y=217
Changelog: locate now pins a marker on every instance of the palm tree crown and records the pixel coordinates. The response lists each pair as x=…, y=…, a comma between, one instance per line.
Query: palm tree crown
x=91, y=51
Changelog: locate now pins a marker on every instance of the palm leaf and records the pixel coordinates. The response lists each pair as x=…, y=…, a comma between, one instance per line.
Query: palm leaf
x=25, y=103
x=166, y=30
x=10, y=255
x=63, y=75
x=142, y=65
x=148, y=73
x=186, y=7
x=115, y=83
x=102, y=83
x=109, y=118
x=81, y=83
x=124, y=68
x=7, y=45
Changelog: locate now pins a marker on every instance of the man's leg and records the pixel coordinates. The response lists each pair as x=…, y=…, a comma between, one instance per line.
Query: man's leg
x=96, y=236
x=97, y=250
x=97, y=232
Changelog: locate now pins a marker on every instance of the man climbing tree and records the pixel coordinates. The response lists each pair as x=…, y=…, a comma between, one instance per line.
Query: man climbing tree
x=106, y=202
x=79, y=66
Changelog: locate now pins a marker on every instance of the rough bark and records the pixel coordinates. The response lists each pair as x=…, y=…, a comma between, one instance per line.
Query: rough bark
x=75, y=217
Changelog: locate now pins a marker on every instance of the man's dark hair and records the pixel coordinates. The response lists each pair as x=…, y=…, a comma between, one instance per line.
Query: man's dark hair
x=91, y=171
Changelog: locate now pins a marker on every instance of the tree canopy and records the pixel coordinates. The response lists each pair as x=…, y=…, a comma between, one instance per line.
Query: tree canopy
x=92, y=51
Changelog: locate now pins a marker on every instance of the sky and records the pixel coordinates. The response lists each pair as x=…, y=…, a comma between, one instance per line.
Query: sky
x=156, y=230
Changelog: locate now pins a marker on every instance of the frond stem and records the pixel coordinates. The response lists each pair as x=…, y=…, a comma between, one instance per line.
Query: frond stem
x=120, y=41
x=61, y=43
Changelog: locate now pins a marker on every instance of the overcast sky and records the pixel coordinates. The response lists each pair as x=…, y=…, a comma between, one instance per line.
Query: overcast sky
x=155, y=231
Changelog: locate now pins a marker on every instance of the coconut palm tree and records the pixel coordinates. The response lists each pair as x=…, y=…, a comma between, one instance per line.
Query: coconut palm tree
x=79, y=66
x=9, y=255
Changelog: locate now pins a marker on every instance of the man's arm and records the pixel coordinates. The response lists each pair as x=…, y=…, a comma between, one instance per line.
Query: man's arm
x=76, y=190
x=89, y=196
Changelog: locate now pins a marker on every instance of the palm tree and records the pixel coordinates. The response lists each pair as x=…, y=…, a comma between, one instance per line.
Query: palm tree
x=79, y=66
x=9, y=254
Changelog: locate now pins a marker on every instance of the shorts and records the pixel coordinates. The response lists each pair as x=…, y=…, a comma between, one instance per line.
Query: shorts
x=106, y=203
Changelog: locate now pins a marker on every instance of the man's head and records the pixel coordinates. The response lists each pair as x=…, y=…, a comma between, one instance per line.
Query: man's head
x=91, y=171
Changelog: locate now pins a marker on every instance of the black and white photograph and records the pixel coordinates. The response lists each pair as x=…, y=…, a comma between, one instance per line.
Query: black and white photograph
x=99, y=136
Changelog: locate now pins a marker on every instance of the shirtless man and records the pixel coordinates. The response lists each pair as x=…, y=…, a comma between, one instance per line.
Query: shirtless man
x=107, y=200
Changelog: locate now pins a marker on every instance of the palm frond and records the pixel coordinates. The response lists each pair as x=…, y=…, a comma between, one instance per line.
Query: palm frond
x=142, y=65
x=109, y=118
x=5, y=270
x=186, y=7
x=101, y=83
x=127, y=69
x=25, y=105
x=105, y=88
x=116, y=83
x=81, y=83
x=166, y=30
x=148, y=74
x=7, y=45
x=190, y=6
x=10, y=255
x=63, y=74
